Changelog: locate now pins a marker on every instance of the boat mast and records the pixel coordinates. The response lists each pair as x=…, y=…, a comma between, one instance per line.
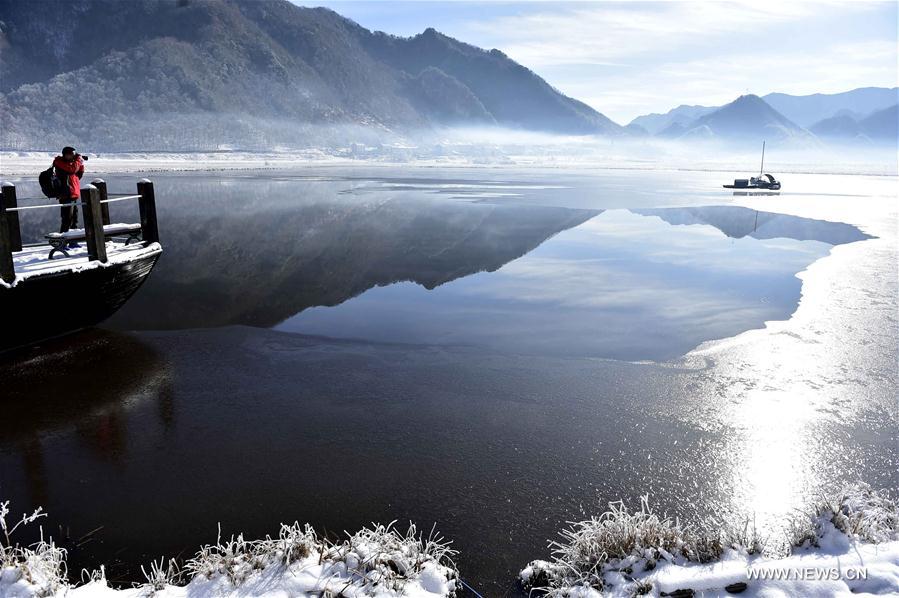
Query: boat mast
x=762, y=167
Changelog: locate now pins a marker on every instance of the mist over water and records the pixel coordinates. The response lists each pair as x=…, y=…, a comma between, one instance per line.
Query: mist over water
x=273, y=143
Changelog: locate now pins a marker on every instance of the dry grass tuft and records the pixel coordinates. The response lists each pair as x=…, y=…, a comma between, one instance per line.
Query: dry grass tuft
x=621, y=545
x=42, y=565
x=374, y=558
x=857, y=511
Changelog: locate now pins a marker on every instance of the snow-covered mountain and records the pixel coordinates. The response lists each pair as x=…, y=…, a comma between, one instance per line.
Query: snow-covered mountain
x=194, y=74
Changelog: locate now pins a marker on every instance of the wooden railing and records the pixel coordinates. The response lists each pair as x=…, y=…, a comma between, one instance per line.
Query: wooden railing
x=94, y=204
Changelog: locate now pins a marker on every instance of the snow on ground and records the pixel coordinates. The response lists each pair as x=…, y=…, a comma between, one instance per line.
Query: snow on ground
x=848, y=546
x=303, y=578
x=853, y=569
x=565, y=153
x=377, y=562
x=31, y=163
x=842, y=569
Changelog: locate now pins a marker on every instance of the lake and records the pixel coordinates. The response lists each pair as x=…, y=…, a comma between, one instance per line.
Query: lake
x=495, y=351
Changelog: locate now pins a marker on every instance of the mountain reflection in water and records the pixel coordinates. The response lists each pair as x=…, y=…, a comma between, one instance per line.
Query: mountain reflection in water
x=309, y=254
x=738, y=222
x=627, y=284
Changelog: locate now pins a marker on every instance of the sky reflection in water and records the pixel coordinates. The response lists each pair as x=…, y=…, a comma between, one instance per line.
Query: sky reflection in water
x=622, y=285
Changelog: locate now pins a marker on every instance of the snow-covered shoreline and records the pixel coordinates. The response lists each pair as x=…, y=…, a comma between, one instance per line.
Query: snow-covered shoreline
x=30, y=163
x=378, y=562
x=843, y=568
x=844, y=545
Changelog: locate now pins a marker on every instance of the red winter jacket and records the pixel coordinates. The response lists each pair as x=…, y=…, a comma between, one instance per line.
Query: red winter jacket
x=72, y=171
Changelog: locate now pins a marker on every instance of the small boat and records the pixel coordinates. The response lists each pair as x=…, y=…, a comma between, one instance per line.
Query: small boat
x=762, y=181
x=42, y=296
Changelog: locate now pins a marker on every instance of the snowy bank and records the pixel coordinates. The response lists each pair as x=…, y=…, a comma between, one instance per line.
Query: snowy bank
x=844, y=546
x=376, y=562
x=507, y=151
x=848, y=545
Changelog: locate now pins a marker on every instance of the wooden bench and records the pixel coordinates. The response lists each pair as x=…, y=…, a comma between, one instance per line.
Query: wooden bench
x=59, y=241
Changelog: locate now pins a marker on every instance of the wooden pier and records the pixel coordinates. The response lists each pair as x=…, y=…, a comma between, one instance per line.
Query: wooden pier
x=94, y=204
x=52, y=297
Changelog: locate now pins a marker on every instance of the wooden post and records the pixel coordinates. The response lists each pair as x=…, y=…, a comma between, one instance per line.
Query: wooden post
x=93, y=224
x=147, y=203
x=7, y=267
x=100, y=184
x=12, y=218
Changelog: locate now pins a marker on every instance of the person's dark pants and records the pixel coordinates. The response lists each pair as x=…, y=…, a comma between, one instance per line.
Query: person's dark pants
x=68, y=215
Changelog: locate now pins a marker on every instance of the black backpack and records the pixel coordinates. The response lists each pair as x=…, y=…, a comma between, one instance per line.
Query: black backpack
x=51, y=186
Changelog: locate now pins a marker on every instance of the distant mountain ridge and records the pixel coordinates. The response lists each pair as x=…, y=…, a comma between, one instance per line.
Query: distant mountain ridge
x=746, y=118
x=682, y=115
x=748, y=115
x=809, y=109
x=867, y=114
x=165, y=74
x=881, y=125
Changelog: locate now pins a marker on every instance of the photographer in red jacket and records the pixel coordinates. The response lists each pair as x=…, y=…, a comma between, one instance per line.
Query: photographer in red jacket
x=69, y=168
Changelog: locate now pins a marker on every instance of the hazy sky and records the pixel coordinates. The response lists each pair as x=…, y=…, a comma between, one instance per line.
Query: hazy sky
x=630, y=58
